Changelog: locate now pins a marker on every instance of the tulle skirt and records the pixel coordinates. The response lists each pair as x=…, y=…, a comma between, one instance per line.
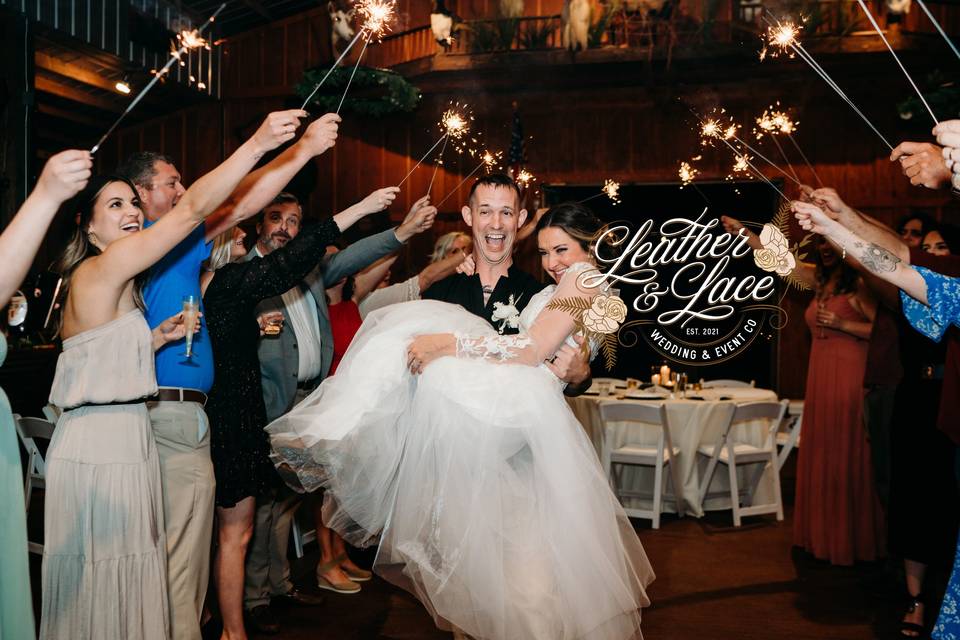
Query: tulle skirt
x=487, y=497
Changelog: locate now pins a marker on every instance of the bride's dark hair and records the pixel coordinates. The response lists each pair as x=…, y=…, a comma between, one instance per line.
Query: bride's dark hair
x=576, y=220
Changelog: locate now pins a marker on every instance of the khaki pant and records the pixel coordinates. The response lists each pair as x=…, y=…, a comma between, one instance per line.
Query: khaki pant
x=186, y=474
x=267, y=570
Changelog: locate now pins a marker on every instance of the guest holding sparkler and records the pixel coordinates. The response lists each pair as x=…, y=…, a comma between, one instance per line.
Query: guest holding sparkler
x=838, y=516
x=105, y=566
x=239, y=446
x=178, y=420
x=923, y=163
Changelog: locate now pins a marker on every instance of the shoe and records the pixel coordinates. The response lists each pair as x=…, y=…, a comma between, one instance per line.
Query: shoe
x=912, y=629
x=301, y=599
x=262, y=619
x=356, y=574
x=338, y=586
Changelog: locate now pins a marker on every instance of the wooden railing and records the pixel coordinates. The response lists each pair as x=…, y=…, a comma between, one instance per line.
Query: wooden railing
x=820, y=17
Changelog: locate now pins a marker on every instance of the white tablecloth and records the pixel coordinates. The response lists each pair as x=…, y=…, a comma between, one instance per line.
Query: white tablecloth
x=692, y=423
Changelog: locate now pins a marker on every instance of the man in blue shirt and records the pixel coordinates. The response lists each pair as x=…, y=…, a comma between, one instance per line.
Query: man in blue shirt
x=179, y=423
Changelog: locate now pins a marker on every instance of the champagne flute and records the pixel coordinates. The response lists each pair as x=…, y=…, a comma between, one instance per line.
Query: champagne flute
x=191, y=308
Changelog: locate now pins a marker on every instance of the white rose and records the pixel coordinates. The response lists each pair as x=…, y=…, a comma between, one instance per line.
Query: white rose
x=766, y=259
x=598, y=323
x=786, y=263
x=773, y=239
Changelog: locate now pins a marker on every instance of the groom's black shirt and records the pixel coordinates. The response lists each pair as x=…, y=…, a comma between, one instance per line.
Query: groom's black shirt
x=468, y=293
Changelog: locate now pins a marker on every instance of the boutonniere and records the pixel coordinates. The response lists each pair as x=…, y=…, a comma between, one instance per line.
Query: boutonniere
x=506, y=314
x=598, y=320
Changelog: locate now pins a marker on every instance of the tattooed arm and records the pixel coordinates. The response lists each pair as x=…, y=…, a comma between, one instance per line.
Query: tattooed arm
x=860, y=224
x=872, y=257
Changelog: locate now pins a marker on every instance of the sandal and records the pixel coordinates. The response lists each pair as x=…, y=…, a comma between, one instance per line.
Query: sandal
x=912, y=629
x=356, y=574
x=338, y=586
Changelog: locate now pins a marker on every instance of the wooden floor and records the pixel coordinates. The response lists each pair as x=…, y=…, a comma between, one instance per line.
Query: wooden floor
x=713, y=582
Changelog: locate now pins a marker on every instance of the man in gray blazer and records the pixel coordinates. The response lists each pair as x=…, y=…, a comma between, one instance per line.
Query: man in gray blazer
x=292, y=364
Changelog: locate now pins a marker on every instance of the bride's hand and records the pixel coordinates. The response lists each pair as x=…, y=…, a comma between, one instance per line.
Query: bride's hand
x=427, y=348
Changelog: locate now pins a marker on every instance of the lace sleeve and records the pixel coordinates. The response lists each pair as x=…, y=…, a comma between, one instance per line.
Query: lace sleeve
x=548, y=331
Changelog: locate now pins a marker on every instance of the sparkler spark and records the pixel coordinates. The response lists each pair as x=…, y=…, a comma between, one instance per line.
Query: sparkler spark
x=612, y=190
x=774, y=121
x=491, y=160
x=191, y=39
x=524, y=178
x=781, y=38
x=742, y=164
x=454, y=123
x=687, y=173
x=377, y=16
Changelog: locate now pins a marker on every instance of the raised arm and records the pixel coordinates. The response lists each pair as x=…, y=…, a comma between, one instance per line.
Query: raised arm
x=805, y=271
x=63, y=177
x=125, y=258
x=545, y=336
x=867, y=228
x=872, y=257
x=260, y=187
x=368, y=279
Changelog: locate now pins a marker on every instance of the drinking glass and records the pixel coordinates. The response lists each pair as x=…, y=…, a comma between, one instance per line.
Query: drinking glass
x=191, y=307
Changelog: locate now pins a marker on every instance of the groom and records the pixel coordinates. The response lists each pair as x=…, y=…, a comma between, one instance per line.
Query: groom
x=493, y=214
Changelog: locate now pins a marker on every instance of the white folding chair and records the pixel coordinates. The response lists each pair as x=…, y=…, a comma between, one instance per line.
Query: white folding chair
x=29, y=431
x=300, y=537
x=788, y=437
x=711, y=384
x=52, y=413
x=659, y=456
x=734, y=454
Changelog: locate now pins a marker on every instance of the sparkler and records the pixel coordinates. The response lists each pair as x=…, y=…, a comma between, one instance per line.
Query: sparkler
x=783, y=36
x=713, y=129
x=913, y=84
x=455, y=123
x=939, y=28
x=524, y=178
x=489, y=159
x=687, y=173
x=188, y=40
x=611, y=189
x=378, y=16
x=773, y=121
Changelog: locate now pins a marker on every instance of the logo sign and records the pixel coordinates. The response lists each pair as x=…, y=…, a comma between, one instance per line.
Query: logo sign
x=700, y=295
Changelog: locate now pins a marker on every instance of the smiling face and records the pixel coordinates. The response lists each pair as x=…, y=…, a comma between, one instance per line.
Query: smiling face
x=280, y=225
x=558, y=250
x=163, y=192
x=494, y=215
x=116, y=214
x=828, y=257
x=460, y=247
x=237, y=248
x=912, y=232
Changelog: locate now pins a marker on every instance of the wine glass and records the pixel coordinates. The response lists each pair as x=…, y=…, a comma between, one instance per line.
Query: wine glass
x=191, y=308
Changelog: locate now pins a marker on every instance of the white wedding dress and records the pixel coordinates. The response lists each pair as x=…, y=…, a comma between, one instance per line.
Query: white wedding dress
x=487, y=496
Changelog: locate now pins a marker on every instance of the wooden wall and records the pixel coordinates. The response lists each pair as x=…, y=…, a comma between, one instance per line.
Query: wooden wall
x=626, y=123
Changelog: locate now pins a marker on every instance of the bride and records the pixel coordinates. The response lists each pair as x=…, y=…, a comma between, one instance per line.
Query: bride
x=455, y=446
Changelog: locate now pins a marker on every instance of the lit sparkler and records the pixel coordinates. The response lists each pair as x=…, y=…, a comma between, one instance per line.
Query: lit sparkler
x=774, y=121
x=687, y=173
x=611, y=189
x=782, y=34
x=455, y=124
x=188, y=40
x=490, y=160
x=524, y=178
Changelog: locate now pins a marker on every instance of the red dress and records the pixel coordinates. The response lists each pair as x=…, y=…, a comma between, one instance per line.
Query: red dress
x=837, y=516
x=345, y=321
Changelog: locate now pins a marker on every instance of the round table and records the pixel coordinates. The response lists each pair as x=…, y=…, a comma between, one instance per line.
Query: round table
x=696, y=420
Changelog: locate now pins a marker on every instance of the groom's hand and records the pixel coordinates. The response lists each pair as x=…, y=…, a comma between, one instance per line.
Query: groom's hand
x=571, y=364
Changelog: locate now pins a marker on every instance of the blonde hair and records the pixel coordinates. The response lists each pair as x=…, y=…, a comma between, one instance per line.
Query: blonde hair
x=445, y=243
x=220, y=253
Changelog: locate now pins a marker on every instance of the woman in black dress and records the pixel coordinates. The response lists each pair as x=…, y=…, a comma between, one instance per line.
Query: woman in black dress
x=238, y=445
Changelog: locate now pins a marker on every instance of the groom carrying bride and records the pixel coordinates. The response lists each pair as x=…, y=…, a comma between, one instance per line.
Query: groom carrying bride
x=498, y=291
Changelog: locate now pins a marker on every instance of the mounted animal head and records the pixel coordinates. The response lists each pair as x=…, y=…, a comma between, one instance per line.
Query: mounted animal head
x=341, y=29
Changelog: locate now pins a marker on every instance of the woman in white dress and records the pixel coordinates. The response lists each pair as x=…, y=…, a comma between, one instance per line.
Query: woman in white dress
x=487, y=496
x=104, y=556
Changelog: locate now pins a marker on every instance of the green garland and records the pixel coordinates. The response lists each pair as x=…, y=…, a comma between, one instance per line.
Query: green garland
x=394, y=93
